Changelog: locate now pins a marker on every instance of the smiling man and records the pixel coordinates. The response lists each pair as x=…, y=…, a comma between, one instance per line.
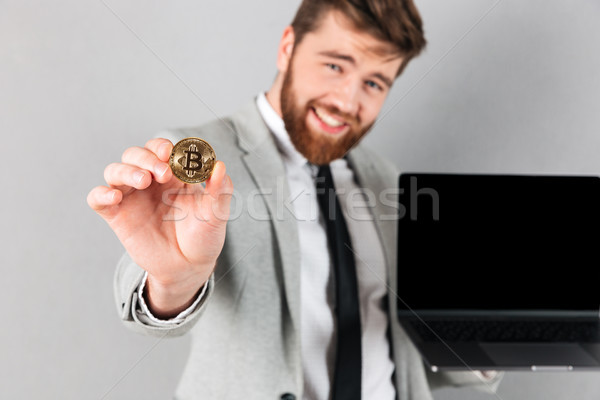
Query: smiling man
x=301, y=304
x=342, y=81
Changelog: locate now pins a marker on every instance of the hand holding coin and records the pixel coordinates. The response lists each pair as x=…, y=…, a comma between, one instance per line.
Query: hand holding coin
x=172, y=230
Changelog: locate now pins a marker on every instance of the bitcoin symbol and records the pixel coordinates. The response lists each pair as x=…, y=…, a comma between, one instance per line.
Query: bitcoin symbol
x=192, y=160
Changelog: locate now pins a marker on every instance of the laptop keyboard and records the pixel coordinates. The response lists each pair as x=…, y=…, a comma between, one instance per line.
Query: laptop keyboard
x=508, y=331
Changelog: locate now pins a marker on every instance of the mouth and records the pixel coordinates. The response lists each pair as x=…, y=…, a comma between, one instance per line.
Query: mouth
x=327, y=122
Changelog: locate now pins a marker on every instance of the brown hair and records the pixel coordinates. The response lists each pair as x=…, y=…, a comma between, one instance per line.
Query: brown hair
x=394, y=21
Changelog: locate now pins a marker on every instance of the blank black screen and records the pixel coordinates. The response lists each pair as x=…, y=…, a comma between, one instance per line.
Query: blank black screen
x=498, y=242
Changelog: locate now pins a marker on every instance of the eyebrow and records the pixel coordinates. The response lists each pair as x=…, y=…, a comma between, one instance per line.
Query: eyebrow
x=351, y=60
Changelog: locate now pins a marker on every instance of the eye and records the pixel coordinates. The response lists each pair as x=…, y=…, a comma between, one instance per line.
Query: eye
x=373, y=85
x=334, y=67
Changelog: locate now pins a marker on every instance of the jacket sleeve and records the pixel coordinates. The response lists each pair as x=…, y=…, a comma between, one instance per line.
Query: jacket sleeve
x=127, y=281
x=473, y=379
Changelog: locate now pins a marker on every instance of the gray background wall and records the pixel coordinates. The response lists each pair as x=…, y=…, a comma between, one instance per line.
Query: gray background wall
x=504, y=86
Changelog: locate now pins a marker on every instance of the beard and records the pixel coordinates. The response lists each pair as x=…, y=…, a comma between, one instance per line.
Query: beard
x=318, y=148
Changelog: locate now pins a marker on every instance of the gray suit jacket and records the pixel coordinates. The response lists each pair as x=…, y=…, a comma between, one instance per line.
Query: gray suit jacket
x=245, y=331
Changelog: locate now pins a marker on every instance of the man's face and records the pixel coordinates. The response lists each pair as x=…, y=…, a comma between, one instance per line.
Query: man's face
x=334, y=87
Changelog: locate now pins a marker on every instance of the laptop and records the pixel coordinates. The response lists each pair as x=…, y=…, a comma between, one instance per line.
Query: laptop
x=500, y=272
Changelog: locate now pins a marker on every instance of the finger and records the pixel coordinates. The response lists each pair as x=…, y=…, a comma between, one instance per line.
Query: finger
x=118, y=175
x=219, y=182
x=147, y=160
x=220, y=188
x=161, y=147
x=102, y=197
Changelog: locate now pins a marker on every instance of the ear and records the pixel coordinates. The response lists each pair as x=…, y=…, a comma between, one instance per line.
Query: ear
x=286, y=47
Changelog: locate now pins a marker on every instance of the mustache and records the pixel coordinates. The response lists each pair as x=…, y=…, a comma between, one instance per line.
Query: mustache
x=350, y=119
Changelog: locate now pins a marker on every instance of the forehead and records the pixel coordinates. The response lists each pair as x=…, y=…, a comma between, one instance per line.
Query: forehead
x=337, y=33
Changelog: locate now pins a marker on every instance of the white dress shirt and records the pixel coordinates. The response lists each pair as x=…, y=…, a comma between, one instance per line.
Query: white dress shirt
x=318, y=329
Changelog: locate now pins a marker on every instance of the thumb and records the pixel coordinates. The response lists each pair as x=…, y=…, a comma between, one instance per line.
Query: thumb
x=220, y=188
x=219, y=183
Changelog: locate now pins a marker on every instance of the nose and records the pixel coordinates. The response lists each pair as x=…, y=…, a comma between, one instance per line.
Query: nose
x=346, y=96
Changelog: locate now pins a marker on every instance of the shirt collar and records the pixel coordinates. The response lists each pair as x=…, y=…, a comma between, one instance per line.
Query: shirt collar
x=277, y=127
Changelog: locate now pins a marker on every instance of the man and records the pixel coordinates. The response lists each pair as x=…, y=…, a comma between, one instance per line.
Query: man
x=260, y=293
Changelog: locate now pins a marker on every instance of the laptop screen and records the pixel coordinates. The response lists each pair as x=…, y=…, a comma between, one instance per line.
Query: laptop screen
x=498, y=242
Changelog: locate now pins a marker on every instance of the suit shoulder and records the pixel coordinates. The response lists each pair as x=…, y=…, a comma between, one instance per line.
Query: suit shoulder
x=215, y=131
x=383, y=166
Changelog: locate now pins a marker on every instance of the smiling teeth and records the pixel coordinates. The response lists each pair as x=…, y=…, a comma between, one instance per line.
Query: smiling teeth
x=334, y=123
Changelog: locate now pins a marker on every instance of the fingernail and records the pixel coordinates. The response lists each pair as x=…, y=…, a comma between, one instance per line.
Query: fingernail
x=161, y=169
x=138, y=176
x=111, y=196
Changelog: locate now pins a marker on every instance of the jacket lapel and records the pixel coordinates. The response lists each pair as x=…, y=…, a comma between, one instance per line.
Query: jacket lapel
x=265, y=166
x=384, y=216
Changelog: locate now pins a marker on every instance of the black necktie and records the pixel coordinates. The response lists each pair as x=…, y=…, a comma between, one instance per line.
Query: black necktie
x=347, y=376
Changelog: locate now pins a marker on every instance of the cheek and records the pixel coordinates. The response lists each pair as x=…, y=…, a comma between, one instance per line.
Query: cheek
x=306, y=91
x=308, y=81
x=370, y=110
x=316, y=88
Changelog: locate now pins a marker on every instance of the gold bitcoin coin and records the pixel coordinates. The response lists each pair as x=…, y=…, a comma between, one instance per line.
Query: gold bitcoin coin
x=192, y=160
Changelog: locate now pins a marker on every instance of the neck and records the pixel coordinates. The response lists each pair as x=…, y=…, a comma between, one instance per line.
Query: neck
x=274, y=94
